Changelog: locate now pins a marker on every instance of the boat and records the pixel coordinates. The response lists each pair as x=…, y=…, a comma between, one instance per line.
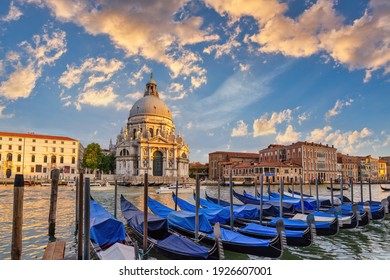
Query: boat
x=108, y=237
x=385, y=188
x=322, y=227
x=162, y=239
x=184, y=222
x=257, y=230
x=171, y=188
x=95, y=184
x=337, y=187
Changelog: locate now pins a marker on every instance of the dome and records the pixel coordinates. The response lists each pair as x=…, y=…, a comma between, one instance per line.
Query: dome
x=150, y=105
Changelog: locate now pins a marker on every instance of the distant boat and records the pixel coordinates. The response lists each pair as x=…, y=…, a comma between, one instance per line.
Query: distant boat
x=337, y=188
x=172, y=188
x=385, y=188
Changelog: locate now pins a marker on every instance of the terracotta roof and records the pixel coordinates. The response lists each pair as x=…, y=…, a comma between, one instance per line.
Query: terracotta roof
x=33, y=135
x=237, y=154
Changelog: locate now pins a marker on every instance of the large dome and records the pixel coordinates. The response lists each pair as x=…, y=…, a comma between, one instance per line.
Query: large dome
x=150, y=105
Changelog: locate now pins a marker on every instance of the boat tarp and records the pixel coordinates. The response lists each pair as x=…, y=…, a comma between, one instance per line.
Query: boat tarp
x=118, y=251
x=268, y=209
x=240, y=211
x=104, y=228
x=183, y=219
x=269, y=231
x=213, y=215
x=238, y=238
x=182, y=245
x=287, y=207
x=135, y=218
x=298, y=224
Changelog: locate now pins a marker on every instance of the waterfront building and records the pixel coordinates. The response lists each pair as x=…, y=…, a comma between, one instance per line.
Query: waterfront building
x=382, y=170
x=199, y=168
x=387, y=160
x=348, y=167
x=220, y=160
x=368, y=168
x=318, y=161
x=148, y=143
x=35, y=155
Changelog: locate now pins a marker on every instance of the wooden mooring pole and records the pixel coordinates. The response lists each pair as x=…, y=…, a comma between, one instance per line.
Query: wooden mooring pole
x=145, y=239
x=17, y=222
x=81, y=215
x=87, y=197
x=116, y=197
x=55, y=176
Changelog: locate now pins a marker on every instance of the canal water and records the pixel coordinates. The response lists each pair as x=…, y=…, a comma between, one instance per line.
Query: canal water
x=370, y=242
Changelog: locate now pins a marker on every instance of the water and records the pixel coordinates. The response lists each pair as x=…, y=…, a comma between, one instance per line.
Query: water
x=370, y=242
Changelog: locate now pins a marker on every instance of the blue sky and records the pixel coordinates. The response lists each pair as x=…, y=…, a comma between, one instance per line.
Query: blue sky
x=238, y=75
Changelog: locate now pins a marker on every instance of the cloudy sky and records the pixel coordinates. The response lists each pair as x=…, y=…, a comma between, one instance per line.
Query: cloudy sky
x=237, y=74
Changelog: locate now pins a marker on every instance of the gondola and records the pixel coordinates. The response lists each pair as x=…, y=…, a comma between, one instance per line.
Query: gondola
x=108, y=237
x=386, y=189
x=337, y=188
x=294, y=237
x=184, y=223
x=322, y=228
x=164, y=241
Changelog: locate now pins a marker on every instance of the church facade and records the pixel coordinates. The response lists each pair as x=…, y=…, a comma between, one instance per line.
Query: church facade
x=148, y=143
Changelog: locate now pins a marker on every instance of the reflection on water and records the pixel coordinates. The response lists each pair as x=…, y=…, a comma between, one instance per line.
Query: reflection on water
x=370, y=242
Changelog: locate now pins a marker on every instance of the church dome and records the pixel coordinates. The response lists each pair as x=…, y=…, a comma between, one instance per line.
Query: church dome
x=151, y=104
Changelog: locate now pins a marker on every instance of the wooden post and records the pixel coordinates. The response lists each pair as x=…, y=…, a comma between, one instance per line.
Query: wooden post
x=177, y=192
x=17, y=223
x=145, y=240
x=317, y=198
x=116, y=197
x=292, y=187
x=219, y=191
x=261, y=200
x=369, y=189
x=301, y=189
x=197, y=202
x=87, y=217
x=341, y=190
x=231, y=199
x=331, y=191
x=361, y=189
x=269, y=187
x=77, y=205
x=55, y=176
x=281, y=198
x=351, y=184
x=81, y=217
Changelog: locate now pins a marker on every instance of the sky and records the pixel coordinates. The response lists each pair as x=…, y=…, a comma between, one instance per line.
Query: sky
x=238, y=75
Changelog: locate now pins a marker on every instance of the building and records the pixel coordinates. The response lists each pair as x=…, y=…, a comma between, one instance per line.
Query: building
x=148, y=143
x=218, y=159
x=387, y=160
x=348, y=167
x=368, y=168
x=318, y=161
x=382, y=170
x=35, y=155
x=199, y=168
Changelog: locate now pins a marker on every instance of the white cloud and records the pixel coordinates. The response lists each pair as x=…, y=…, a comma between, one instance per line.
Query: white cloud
x=98, y=70
x=138, y=27
x=346, y=142
x=175, y=87
x=134, y=96
x=244, y=67
x=20, y=83
x=264, y=126
x=4, y=116
x=340, y=104
x=98, y=98
x=138, y=76
x=226, y=48
x=240, y=130
x=289, y=136
x=303, y=117
x=13, y=14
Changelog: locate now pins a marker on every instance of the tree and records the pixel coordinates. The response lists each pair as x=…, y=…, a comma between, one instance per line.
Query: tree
x=92, y=156
x=107, y=163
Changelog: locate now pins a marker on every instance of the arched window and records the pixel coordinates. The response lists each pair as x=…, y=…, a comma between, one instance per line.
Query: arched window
x=19, y=157
x=157, y=163
x=45, y=159
x=151, y=132
x=53, y=159
x=183, y=155
x=61, y=159
x=124, y=152
x=73, y=160
x=134, y=133
x=33, y=158
x=9, y=157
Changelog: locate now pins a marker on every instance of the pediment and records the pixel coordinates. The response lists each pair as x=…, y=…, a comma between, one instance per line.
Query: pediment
x=158, y=140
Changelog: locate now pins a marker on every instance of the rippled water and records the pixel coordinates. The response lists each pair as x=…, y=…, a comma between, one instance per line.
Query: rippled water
x=370, y=242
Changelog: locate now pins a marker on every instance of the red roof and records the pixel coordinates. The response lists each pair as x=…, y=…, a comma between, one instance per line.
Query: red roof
x=33, y=135
x=237, y=154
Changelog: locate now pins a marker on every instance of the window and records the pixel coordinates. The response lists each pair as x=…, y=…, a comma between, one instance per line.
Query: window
x=10, y=139
x=74, y=151
x=33, y=148
x=9, y=157
x=32, y=169
x=54, y=142
x=53, y=159
x=34, y=140
x=62, y=142
x=74, y=143
x=46, y=141
x=62, y=150
x=53, y=150
x=33, y=158
x=44, y=170
x=18, y=169
x=61, y=159
x=73, y=160
x=0, y=146
x=45, y=159
x=19, y=148
x=0, y=156
x=19, y=158
x=9, y=147
x=20, y=139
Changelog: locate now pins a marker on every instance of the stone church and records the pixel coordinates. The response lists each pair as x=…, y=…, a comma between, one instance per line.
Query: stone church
x=148, y=143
